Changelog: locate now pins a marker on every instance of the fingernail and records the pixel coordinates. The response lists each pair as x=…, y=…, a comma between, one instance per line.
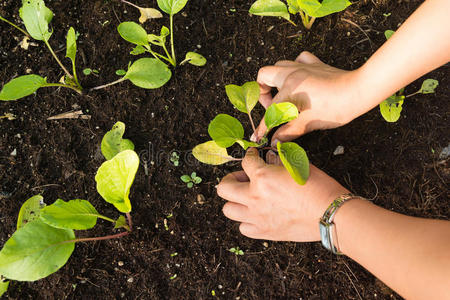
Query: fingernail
x=216, y=186
x=274, y=143
x=253, y=137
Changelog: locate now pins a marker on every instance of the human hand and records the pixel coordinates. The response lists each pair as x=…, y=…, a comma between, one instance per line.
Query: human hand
x=324, y=95
x=271, y=205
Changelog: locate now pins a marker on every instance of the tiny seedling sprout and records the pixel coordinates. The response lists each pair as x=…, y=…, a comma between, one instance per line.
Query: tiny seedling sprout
x=175, y=158
x=236, y=251
x=191, y=180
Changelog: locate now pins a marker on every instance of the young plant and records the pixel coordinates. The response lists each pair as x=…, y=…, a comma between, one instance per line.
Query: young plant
x=175, y=159
x=236, y=251
x=45, y=236
x=391, y=108
x=308, y=10
x=36, y=17
x=226, y=130
x=191, y=180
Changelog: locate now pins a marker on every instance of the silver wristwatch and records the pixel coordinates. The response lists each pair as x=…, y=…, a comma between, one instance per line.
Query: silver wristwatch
x=327, y=227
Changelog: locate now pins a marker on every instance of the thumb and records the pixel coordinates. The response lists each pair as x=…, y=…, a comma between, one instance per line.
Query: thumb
x=308, y=58
x=289, y=131
x=252, y=162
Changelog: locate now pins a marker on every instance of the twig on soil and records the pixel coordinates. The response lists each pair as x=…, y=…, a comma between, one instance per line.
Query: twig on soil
x=70, y=115
x=359, y=27
x=45, y=185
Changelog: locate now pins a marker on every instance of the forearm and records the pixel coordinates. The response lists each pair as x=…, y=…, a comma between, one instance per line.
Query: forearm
x=419, y=46
x=409, y=254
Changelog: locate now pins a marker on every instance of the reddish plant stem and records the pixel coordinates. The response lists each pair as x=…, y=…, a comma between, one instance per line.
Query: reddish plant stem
x=130, y=223
x=100, y=238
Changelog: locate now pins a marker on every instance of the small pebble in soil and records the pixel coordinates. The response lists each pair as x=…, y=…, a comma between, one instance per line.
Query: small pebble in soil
x=130, y=280
x=445, y=153
x=266, y=244
x=14, y=152
x=200, y=199
x=120, y=263
x=249, y=59
x=220, y=286
x=199, y=46
x=339, y=150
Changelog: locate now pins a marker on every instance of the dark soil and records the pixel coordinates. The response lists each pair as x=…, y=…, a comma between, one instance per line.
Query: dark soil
x=396, y=165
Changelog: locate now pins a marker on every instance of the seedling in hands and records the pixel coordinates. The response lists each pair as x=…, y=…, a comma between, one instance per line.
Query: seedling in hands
x=36, y=17
x=45, y=236
x=392, y=107
x=226, y=130
x=191, y=180
x=175, y=159
x=308, y=10
x=236, y=251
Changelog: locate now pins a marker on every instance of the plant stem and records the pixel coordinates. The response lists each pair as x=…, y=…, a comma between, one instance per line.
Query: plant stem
x=410, y=95
x=130, y=223
x=158, y=56
x=168, y=55
x=108, y=84
x=171, y=41
x=15, y=26
x=129, y=3
x=100, y=238
x=310, y=23
x=63, y=85
x=57, y=59
x=251, y=121
x=106, y=218
x=74, y=71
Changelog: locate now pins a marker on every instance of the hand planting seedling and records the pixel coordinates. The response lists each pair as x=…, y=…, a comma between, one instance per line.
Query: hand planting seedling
x=175, y=159
x=36, y=17
x=308, y=10
x=226, y=130
x=45, y=237
x=191, y=180
x=391, y=108
x=236, y=251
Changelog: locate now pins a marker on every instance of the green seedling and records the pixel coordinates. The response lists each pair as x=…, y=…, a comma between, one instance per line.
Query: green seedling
x=225, y=131
x=236, y=251
x=136, y=34
x=121, y=72
x=175, y=159
x=45, y=237
x=37, y=17
x=89, y=71
x=191, y=180
x=309, y=10
x=392, y=107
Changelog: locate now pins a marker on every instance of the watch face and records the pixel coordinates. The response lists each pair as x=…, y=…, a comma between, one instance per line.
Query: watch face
x=325, y=234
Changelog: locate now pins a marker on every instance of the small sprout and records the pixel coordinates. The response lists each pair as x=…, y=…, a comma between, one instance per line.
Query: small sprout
x=191, y=180
x=386, y=14
x=388, y=33
x=233, y=9
x=173, y=254
x=194, y=59
x=173, y=276
x=236, y=251
x=213, y=293
x=8, y=116
x=121, y=72
x=169, y=216
x=175, y=158
x=166, y=226
x=89, y=71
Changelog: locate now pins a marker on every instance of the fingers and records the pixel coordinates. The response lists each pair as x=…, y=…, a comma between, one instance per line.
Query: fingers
x=236, y=212
x=241, y=176
x=307, y=58
x=252, y=162
x=289, y=131
x=272, y=158
x=274, y=76
x=232, y=189
x=250, y=231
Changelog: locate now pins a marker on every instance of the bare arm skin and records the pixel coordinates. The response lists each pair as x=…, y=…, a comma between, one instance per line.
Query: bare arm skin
x=411, y=255
x=328, y=97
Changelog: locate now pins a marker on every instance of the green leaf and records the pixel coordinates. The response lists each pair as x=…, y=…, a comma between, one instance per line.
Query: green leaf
x=280, y=113
x=195, y=59
x=428, y=86
x=212, y=154
x=133, y=32
x=164, y=32
x=87, y=71
x=271, y=8
x=30, y=210
x=36, y=17
x=295, y=161
x=112, y=142
x=148, y=73
x=121, y=72
x=185, y=178
x=245, y=144
x=3, y=287
x=190, y=184
x=293, y=6
x=21, y=87
x=75, y=214
x=391, y=108
x=155, y=39
x=388, y=33
x=193, y=174
x=121, y=222
x=35, y=251
x=171, y=7
x=244, y=97
x=197, y=180
x=225, y=130
x=71, y=48
x=314, y=8
x=115, y=177
x=137, y=50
